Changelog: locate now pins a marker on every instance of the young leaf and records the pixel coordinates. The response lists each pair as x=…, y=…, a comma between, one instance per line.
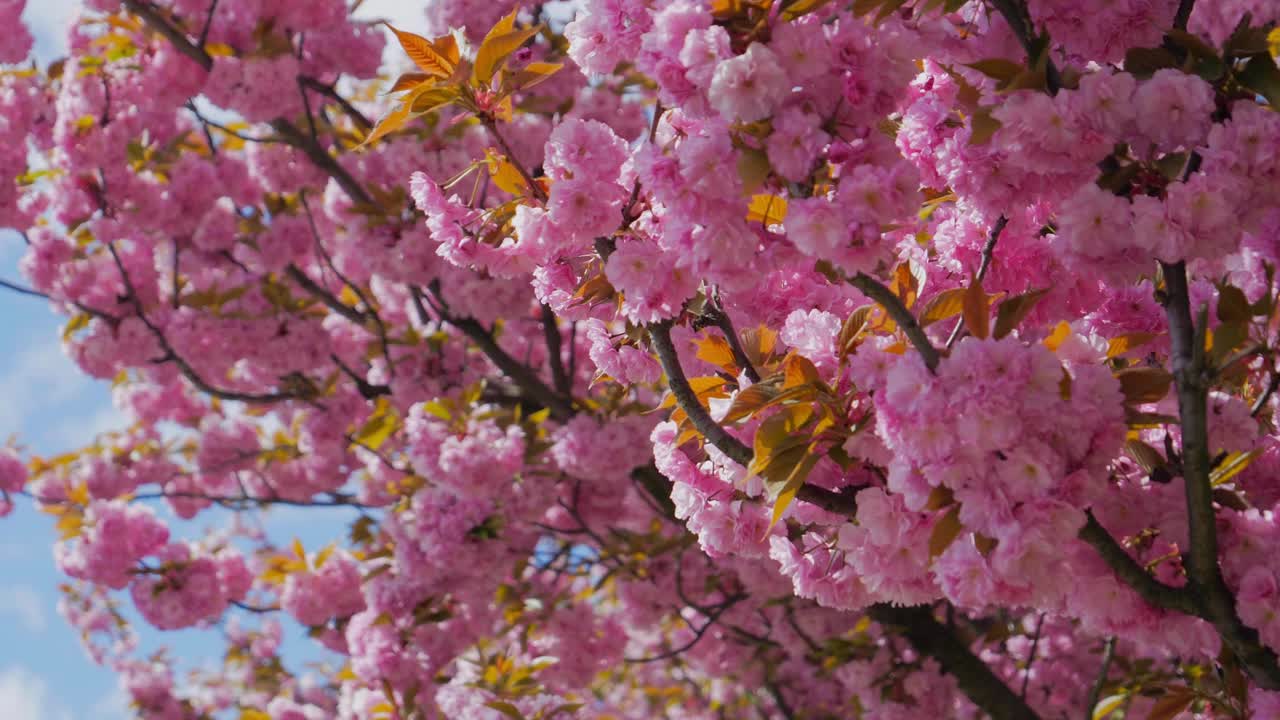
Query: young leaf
x=946, y=304
x=976, y=311
x=1014, y=310
x=1144, y=384
x=423, y=53
x=497, y=46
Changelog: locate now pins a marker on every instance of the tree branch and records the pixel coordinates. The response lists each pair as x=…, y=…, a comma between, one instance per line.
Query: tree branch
x=551, y=333
x=988, y=250
x=183, y=44
x=975, y=678
x=873, y=289
x=1015, y=13
x=561, y=407
x=330, y=92
x=1183, y=16
x=1191, y=380
x=1133, y=574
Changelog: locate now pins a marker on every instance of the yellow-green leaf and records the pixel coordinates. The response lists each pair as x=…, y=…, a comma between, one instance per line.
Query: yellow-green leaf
x=1232, y=466
x=1108, y=705
x=380, y=425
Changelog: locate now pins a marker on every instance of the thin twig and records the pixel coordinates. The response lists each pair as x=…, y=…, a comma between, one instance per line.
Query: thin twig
x=1095, y=694
x=1183, y=16
x=1031, y=657
x=988, y=250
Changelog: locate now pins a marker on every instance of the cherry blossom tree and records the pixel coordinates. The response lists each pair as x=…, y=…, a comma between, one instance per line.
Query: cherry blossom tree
x=679, y=359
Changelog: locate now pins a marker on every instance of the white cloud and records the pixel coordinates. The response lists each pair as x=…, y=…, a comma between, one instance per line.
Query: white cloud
x=48, y=21
x=23, y=694
x=24, y=602
x=112, y=706
x=38, y=377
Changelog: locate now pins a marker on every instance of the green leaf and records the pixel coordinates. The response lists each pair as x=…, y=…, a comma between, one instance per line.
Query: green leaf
x=1144, y=62
x=1262, y=76
x=999, y=69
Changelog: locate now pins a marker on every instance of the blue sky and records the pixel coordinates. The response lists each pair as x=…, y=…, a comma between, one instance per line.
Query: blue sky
x=51, y=407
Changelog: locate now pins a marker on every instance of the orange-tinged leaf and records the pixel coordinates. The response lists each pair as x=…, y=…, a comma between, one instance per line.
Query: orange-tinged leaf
x=1059, y=335
x=506, y=176
x=1172, y=705
x=1122, y=344
x=767, y=209
x=423, y=53
x=716, y=350
x=798, y=370
x=1144, y=384
x=389, y=124
x=408, y=81
x=946, y=304
x=533, y=74
x=1014, y=310
x=496, y=48
x=976, y=311
x=795, y=480
x=1232, y=466
x=749, y=401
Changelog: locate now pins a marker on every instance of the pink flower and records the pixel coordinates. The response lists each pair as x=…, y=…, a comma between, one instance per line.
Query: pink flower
x=746, y=88
x=1173, y=109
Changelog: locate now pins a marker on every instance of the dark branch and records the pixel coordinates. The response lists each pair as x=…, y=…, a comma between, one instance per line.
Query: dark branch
x=1191, y=378
x=1183, y=16
x=1133, y=574
x=561, y=406
x=988, y=250
x=330, y=92
x=975, y=678
x=873, y=289
x=1015, y=13
x=153, y=18
x=551, y=332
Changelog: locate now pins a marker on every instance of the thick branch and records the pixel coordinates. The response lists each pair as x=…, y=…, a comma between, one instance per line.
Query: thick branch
x=976, y=681
x=330, y=92
x=1134, y=575
x=873, y=289
x=1183, y=16
x=1190, y=374
x=1015, y=13
x=732, y=447
x=153, y=18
